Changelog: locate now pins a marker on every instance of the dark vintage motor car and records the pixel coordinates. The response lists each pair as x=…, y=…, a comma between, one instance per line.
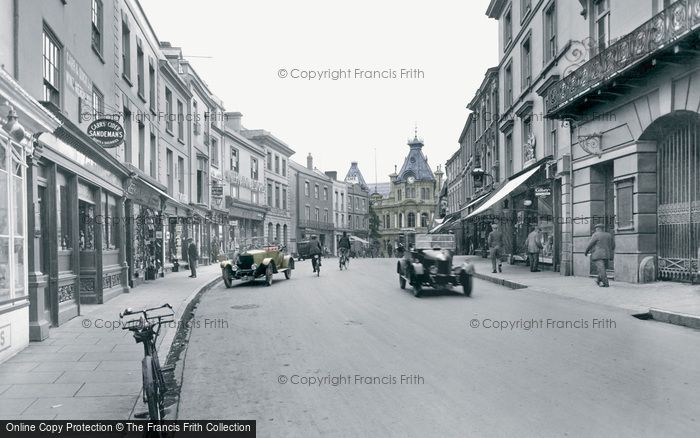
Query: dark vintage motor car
x=303, y=250
x=256, y=263
x=429, y=264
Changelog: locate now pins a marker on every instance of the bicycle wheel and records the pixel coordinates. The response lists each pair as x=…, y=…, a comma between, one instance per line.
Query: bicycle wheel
x=150, y=389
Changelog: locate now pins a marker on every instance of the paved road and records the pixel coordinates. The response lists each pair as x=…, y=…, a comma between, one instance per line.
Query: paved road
x=626, y=377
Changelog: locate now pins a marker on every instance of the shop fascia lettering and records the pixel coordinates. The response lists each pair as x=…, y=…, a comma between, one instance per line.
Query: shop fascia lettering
x=244, y=181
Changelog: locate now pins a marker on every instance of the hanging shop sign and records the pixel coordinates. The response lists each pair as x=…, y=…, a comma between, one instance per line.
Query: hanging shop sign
x=217, y=191
x=107, y=133
x=543, y=191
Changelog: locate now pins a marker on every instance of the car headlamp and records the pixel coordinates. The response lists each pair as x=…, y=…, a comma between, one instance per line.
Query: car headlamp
x=253, y=266
x=433, y=270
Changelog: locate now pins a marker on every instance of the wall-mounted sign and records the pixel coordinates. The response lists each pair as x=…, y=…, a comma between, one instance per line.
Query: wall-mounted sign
x=243, y=181
x=543, y=191
x=217, y=191
x=107, y=133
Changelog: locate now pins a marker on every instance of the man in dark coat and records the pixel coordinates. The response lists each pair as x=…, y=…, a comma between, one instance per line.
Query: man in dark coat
x=496, y=243
x=192, y=257
x=534, y=245
x=601, y=247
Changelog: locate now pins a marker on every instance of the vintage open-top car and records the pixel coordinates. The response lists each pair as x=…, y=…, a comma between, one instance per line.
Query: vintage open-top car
x=256, y=263
x=429, y=263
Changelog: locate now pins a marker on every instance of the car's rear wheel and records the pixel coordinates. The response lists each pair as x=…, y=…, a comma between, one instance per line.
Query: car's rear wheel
x=268, y=275
x=288, y=273
x=228, y=280
x=402, y=282
x=417, y=286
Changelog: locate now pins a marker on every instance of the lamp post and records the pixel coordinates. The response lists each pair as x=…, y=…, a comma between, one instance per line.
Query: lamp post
x=478, y=173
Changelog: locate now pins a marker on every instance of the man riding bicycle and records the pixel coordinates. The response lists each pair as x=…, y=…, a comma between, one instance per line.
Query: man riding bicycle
x=315, y=249
x=344, y=246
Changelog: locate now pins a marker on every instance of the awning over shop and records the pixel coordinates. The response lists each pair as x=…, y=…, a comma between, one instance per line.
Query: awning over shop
x=505, y=191
x=357, y=239
x=464, y=212
x=443, y=224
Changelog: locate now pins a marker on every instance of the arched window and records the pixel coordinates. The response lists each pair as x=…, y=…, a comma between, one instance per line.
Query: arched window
x=278, y=232
x=400, y=220
x=285, y=236
x=269, y=232
x=411, y=220
x=424, y=220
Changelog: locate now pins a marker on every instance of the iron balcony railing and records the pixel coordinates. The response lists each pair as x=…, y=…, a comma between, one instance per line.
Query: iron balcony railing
x=318, y=225
x=665, y=28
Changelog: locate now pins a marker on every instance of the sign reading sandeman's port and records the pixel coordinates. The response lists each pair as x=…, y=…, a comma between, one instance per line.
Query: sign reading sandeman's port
x=106, y=132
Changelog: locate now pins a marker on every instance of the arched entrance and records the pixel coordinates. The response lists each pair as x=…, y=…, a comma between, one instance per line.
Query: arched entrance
x=678, y=194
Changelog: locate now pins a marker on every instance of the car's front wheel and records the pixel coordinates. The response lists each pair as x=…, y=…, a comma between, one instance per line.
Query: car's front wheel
x=467, y=283
x=268, y=275
x=228, y=279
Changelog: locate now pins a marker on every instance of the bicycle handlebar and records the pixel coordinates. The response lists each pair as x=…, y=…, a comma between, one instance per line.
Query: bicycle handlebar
x=152, y=320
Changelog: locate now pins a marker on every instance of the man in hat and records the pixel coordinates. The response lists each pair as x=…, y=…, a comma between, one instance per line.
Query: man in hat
x=495, y=241
x=534, y=245
x=192, y=256
x=601, y=247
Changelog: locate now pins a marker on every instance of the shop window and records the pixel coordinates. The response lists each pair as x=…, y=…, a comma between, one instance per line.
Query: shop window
x=63, y=223
x=86, y=226
x=625, y=204
x=424, y=220
x=112, y=223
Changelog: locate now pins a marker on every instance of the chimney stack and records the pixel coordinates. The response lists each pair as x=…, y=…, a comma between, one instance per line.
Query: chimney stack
x=233, y=121
x=310, y=162
x=332, y=174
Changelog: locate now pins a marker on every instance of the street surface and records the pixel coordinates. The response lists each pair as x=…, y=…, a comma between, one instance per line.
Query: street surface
x=260, y=352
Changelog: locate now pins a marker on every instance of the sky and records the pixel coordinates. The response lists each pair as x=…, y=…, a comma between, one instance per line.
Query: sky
x=258, y=57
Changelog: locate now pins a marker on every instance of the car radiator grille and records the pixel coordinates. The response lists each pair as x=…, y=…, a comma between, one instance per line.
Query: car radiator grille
x=245, y=261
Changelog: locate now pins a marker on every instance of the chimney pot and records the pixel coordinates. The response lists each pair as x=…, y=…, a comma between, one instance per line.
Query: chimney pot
x=233, y=121
x=310, y=162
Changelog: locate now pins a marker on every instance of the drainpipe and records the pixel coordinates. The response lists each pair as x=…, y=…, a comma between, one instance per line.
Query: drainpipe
x=15, y=35
x=571, y=194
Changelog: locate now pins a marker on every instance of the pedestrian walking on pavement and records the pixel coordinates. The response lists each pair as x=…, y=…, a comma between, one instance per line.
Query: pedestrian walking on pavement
x=192, y=256
x=534, y=245
x=601, y=247
x=495, y=241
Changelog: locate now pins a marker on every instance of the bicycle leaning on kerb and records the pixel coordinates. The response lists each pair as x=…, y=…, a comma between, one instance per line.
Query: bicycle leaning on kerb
x=146, y=329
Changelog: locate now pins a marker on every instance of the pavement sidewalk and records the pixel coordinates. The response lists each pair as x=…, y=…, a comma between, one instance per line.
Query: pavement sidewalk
x=88, y=370
x=676, y=303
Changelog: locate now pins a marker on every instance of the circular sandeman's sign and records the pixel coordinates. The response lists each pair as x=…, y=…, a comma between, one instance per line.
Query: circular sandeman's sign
x=106, y=132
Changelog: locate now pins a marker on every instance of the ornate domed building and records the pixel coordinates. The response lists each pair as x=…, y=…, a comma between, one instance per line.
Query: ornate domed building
x=407, y=205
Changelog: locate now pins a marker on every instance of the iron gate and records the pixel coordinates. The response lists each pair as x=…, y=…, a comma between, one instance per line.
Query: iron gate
x=678, y=237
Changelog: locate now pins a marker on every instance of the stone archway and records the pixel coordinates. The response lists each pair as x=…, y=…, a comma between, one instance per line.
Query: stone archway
x=677, y=137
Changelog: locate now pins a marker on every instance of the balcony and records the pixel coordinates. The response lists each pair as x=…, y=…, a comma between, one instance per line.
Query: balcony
x=661, y=35
x=316, y=225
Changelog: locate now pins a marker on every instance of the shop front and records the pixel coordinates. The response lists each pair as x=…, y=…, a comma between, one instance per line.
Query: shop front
x=523, y=203
x=245, y=224
x=145, y=230
x=175, y=221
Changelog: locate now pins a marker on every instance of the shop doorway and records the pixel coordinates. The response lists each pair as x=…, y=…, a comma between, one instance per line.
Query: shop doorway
x=603, y=211
x=44, y=253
